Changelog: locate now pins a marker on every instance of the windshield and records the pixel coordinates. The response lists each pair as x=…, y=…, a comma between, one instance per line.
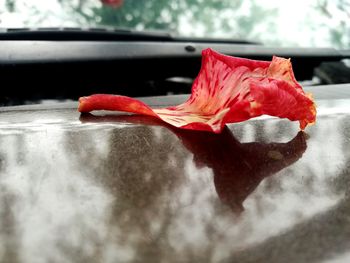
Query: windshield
x=313, y=23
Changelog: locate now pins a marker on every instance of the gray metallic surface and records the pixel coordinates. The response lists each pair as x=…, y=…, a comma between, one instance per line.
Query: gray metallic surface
x=116, y=188
x=48, y=51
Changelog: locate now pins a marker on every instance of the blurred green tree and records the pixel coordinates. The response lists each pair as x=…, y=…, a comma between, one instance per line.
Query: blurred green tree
x=225, y=18
x=325, y=24
x=10, y=5
x=336, y=17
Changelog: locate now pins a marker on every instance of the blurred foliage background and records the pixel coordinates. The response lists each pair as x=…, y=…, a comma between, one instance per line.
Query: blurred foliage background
x=314, y=23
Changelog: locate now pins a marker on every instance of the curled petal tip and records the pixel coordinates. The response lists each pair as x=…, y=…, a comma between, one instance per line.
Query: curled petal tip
x=83, y=105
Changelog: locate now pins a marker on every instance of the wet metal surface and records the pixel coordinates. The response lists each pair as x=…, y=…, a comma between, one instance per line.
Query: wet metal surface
x=118, y=188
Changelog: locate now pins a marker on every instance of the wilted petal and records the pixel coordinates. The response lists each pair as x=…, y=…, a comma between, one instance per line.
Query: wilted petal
x=226, y=90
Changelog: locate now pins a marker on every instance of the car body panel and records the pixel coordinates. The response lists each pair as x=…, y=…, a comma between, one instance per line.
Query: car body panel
x=111, y=187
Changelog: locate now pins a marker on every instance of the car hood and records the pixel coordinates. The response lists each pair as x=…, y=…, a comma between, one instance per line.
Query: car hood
x=115, y=187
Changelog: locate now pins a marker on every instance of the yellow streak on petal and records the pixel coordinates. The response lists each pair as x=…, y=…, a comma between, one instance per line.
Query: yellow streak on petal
x=178, y=119
x=183, y=118
x=219, y=116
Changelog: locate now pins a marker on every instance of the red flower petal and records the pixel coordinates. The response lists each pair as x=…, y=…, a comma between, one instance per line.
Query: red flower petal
x=226, y=90
x=113, y=3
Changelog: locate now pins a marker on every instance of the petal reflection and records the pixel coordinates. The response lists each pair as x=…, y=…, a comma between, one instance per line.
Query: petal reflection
x=238, y=168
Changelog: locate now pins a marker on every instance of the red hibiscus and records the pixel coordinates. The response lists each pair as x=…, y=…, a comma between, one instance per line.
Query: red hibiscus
x=113, y=3
x=226, y=90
